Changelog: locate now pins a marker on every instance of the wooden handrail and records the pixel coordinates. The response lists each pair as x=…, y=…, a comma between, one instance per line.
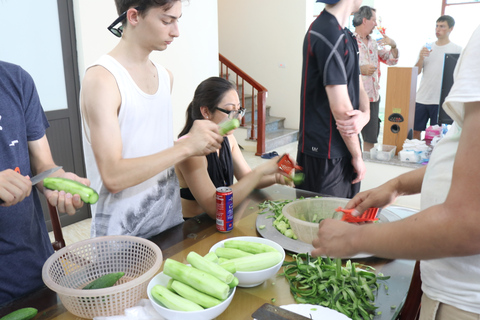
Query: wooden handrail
x=260, y=115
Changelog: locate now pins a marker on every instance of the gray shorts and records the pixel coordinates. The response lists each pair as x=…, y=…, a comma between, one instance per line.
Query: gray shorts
x=372, y=128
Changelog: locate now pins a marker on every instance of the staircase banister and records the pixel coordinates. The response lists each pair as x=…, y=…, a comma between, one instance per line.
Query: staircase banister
x=241, y=73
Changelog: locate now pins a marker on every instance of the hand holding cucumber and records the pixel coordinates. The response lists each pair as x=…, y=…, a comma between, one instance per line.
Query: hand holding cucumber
x=87, y=194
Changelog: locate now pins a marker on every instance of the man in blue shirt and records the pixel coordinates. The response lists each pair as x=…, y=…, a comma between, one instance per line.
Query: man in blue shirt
x=24, y=152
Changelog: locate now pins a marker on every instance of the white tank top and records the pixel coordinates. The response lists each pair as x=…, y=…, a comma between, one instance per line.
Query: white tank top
x=146, y=125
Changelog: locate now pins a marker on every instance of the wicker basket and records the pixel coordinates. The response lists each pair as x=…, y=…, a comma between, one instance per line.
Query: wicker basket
x=71, y=268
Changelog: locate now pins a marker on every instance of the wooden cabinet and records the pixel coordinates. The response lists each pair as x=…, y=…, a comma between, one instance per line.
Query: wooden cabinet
x=399, y=105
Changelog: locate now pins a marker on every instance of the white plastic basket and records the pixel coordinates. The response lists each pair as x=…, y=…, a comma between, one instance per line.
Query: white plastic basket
x=68, y=270
x=300, y=214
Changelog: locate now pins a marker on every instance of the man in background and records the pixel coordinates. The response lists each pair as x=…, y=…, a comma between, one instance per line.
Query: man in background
x=371, y=54
x=334, y=105
x=431, y=62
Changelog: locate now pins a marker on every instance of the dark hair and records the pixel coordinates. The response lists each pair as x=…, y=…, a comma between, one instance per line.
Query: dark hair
x=208, y=94
x=450, y=21
x=363, y=12
x=124, y=5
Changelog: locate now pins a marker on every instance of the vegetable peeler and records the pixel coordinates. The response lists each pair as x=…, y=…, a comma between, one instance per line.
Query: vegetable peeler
x=369, y=215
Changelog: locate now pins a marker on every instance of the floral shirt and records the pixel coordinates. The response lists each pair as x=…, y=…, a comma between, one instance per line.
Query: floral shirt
x=369, y=54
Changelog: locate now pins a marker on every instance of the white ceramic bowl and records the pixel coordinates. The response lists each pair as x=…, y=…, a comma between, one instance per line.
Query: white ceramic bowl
x=254, y=278
x=206, y=314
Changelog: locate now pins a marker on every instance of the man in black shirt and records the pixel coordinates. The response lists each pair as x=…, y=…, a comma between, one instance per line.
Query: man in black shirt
x=334, y=105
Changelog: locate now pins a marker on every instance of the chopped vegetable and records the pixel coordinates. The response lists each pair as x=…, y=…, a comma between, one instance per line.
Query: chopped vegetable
x=323, y=281
x=280, y=223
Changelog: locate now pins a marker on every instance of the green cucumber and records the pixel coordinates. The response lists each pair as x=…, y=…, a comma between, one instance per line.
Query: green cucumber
x=87, y=194
x=105, y=281
x=229, y=125
x=21, y=314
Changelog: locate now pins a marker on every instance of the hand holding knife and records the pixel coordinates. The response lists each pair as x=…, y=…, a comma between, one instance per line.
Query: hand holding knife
x=39, y=177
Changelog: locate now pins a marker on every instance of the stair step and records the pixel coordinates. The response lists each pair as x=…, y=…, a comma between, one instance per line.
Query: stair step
x=273, y=140
x=271, y=124
x=248, y=114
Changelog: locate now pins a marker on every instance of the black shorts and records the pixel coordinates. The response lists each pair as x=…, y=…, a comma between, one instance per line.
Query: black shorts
x=424, y=112
x=372, y=128
x=328, y=176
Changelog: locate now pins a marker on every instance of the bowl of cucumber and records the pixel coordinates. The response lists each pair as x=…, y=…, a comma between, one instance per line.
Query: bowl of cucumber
x=255, y=259
x=102, y=276
x=161, y=285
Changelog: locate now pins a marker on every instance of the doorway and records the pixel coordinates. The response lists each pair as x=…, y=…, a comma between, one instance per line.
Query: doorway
x=40, y=37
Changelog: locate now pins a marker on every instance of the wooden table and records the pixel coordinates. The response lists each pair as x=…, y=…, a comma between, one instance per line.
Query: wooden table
x=200, y=233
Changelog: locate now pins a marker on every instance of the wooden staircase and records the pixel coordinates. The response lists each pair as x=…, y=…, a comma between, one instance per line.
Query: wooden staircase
x=260, y=131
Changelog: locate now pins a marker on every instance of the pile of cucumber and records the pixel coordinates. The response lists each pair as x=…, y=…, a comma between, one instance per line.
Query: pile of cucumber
x=209, y=279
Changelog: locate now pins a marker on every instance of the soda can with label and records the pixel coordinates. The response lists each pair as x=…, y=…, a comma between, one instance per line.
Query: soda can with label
x=224, y=209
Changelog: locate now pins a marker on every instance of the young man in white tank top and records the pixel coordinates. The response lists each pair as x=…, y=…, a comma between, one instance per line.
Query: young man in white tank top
x=127, y=117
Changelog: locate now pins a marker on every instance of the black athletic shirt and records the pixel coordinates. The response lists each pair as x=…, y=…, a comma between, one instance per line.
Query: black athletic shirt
x=220, y=169
x=330, y=57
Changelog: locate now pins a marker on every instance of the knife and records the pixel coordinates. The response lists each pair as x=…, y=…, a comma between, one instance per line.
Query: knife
x=39, y=177
x=271, y=312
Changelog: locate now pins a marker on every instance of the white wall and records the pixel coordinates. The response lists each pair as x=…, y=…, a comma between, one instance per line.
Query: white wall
x=257, y=36
x=192, y=57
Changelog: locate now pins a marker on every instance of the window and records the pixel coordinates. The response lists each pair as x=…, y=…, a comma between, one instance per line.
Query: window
x=465, y=13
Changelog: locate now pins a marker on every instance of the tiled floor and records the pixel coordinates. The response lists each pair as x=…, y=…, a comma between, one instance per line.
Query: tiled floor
x=376, y=175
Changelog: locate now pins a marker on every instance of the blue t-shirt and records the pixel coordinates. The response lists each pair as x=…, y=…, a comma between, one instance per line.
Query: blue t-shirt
x=24, y=240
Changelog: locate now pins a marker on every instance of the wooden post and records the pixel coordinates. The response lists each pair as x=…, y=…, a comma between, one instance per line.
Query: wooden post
x=399, y=105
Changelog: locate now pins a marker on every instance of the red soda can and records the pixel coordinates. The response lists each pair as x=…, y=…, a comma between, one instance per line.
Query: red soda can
x=224, y=209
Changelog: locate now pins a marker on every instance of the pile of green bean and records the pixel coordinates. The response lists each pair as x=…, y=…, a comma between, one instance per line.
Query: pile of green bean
x=325, y=282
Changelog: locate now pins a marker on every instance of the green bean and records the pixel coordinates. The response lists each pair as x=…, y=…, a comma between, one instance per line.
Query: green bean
x=323, y=281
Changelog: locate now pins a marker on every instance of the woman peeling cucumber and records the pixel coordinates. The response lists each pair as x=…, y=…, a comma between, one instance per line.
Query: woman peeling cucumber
x=216, y=99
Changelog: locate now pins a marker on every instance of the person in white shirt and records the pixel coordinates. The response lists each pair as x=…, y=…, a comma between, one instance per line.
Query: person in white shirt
x=430, y=62
x=128, y=121
x=445, y=234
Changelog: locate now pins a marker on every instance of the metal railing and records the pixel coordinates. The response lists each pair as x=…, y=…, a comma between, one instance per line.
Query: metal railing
x=257, y=131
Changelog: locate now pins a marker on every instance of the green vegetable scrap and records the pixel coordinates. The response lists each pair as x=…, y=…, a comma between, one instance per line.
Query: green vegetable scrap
x=105, y=281
x=323, y=281
x=280, y=223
